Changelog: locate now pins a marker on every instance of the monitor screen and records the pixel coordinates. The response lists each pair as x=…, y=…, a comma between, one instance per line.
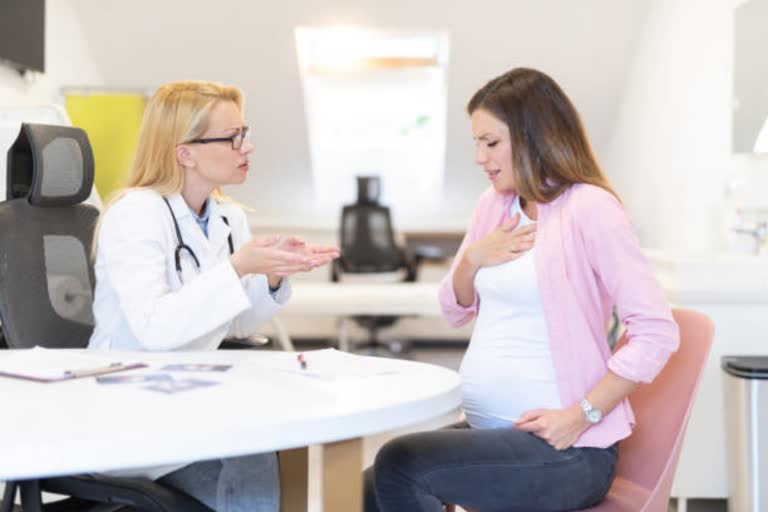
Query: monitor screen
x=22, y=34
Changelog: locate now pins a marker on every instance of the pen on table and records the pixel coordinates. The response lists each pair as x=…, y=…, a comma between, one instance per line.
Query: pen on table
x=302, y=361
x=93, y=371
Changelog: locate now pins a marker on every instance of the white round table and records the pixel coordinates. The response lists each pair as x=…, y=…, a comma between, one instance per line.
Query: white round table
x=265, y=402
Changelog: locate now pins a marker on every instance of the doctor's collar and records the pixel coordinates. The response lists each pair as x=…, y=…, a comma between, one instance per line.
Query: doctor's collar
x=181, y=209
x=206, y=211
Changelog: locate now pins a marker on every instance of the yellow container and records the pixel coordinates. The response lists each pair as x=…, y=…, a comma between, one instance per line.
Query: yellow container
x=112, y=122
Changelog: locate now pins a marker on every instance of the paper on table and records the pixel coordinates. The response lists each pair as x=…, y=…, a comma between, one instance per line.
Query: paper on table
x=43, y=365
x=332, y=365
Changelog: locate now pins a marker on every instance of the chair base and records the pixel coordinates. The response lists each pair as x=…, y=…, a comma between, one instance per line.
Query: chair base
x=394, y=349
x=373, y=346
x=97, y=493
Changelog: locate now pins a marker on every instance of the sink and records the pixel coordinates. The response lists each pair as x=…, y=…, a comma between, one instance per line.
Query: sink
x=711, y=277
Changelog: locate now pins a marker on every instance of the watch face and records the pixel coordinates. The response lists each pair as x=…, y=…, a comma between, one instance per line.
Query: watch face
x=594, y=415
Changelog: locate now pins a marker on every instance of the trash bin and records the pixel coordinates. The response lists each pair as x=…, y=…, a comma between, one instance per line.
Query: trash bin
x=746, y=407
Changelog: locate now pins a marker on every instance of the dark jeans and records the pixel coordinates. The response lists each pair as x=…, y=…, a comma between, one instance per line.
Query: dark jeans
x=486, y=470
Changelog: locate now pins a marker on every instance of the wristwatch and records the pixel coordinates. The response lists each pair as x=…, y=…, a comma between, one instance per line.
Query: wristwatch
x=593, y=414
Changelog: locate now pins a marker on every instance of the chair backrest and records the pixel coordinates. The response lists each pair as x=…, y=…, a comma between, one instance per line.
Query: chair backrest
x=648, y=458
x=11, y=120
x=46, y=276
x=366, y=233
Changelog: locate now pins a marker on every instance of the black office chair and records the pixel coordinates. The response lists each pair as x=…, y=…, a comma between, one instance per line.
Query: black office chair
x=46, y=291
x=367, y=247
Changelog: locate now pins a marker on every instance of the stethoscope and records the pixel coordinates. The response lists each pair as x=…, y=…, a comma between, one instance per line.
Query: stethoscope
x=181, y=246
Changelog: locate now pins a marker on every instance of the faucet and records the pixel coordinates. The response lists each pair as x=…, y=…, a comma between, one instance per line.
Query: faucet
x=759, y=232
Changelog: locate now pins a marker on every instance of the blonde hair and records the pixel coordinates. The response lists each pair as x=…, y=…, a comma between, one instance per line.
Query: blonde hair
x=176, y=113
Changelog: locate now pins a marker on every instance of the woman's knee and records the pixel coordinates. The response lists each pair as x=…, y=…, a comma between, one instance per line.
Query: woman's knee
x=369, y=491
x=402, y=456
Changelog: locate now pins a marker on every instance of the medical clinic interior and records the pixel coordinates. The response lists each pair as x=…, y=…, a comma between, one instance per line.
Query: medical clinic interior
x=340, y=256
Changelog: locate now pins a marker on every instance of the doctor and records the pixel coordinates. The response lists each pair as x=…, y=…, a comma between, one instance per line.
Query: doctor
x=176, y=267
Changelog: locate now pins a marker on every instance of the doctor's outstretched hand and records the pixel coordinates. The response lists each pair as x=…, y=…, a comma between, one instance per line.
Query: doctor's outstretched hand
x=278, y=258
x=318, y=254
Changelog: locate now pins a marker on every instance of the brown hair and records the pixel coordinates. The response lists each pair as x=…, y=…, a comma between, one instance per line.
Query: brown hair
x=550, y=149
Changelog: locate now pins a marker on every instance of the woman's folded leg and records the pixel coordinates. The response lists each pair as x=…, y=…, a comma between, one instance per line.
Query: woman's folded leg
x=488, y=470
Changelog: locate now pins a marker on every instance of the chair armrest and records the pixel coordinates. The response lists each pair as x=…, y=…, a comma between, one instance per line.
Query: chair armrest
x=411, y=264
x=335, y=270
x=141, y=493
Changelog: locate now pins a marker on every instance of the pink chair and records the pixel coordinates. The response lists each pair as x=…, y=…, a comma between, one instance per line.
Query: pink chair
x=648, y=458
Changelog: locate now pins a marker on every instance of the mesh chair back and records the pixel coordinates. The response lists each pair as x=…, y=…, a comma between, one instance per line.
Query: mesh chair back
x=368, y=189
x=368, y=240
x=46, y=279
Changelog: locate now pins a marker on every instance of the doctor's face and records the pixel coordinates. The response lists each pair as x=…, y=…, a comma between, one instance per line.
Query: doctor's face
x=493, y=150
x=217, y=162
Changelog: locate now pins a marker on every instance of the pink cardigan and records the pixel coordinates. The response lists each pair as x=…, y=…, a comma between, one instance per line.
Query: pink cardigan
x=587, y=259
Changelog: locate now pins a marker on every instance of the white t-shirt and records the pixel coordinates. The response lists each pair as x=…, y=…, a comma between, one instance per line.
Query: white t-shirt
x=508, y=368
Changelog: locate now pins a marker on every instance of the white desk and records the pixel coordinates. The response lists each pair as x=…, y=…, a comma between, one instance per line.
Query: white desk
x=343, y=300
x=80, y=426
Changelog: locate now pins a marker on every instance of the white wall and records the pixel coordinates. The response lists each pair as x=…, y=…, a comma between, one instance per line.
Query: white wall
x=68, y=61
x=652, y=79
x=670, y=156
x=250, y=43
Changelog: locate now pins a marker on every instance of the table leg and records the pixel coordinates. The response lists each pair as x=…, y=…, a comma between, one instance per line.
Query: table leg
x=294, y=480
x=343, y=476
x=343, y=323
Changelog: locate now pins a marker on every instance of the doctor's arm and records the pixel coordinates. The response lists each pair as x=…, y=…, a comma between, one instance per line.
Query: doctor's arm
x=136, y=256
x=263, y=305
x=256, y=278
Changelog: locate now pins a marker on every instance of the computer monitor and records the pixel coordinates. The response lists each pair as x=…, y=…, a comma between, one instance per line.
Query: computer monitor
x=22, y=34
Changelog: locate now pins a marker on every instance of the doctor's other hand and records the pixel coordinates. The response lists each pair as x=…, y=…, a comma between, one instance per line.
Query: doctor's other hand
x=318, y=254
x=505, y=243
x=265, y=256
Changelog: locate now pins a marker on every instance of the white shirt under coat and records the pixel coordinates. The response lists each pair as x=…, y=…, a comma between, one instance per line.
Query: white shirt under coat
x=140, y=301
x=508, y=367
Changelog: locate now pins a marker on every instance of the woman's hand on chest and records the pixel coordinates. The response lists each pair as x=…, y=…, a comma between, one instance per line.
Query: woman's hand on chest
x=505, y=243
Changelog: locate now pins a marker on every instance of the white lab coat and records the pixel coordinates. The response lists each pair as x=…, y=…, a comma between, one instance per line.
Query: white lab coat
x=141, y=303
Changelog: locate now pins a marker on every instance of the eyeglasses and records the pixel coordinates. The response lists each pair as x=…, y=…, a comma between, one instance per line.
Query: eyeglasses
x=236, y=139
